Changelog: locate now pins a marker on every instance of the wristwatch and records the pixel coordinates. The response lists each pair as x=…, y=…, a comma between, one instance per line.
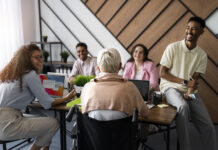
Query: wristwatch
x=185, y=82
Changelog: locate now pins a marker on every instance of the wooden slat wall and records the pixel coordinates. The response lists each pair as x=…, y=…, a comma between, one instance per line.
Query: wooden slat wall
x=157, y=23
x=109, y=9
x=201, y=7
x=210, y=100
x=155, y=31
x=121, y=19
x=94, y=5
x=142, y=20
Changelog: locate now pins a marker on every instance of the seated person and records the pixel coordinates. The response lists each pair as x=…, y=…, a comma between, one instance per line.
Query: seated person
x=109, y=96
x=139, y=67
x=19, y=85
x=84, y=65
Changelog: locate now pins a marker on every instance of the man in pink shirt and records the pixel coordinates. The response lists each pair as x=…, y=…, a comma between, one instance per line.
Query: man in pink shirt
x=84, y=65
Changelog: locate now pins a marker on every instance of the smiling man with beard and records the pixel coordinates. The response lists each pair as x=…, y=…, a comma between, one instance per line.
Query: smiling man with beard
x=182, y=64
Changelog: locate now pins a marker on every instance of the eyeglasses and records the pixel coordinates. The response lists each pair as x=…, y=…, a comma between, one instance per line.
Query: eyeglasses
x=38, y=57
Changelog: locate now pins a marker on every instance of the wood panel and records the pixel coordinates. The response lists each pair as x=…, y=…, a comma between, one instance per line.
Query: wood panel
x=161, y=25
x=201, y=8
x=84, y=1
x=210, y=46
x=211, y=75
x=149, y=12
x=94, y=5
x=210, y=100
x=125, y=15
x=109, y=9
x=177, y=33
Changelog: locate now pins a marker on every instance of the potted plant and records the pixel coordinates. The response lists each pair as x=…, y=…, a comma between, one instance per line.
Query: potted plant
x=45, y=55
x=64, y=55
x=80, y=81
x=45, y=37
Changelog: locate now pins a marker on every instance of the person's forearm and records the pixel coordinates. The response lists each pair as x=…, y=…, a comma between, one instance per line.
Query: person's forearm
x=58, y=101
x=166, y=75
x=190, y=91
x=69, y=96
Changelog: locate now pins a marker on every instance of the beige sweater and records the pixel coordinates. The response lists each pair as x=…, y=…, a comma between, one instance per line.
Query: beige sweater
x=112, y=92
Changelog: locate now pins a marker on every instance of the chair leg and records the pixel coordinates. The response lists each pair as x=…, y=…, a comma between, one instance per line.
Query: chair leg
x=144, y=146
x=178, y=145
x=4, y=146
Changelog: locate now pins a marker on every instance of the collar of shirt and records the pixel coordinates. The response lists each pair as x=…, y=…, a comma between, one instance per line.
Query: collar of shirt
x=106, y=75
x=84, y=62
x=187, y=50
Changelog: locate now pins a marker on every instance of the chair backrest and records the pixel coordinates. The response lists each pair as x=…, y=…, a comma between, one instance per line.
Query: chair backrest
x=106, y=135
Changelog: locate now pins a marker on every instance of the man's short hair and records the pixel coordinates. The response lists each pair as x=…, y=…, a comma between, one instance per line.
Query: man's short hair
x=82, y=45
x=197, y=19
x=109, y=60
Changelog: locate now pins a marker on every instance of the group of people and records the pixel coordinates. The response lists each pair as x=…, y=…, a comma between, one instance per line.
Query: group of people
x=109, y=96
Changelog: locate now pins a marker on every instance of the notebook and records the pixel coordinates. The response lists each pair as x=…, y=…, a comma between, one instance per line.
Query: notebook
x=53, y=84
x=143, y=87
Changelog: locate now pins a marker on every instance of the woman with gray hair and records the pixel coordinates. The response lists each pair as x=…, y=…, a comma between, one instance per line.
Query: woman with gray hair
x=110, y=96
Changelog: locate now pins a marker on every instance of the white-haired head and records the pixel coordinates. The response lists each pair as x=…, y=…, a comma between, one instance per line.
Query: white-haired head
x=109, y=60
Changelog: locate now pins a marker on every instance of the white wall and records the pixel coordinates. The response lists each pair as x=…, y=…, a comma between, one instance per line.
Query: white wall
x=28, y=18
x=87, y=18
x=212, y=22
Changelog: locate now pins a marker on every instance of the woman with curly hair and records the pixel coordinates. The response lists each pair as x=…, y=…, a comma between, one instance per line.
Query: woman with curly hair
x=19, y=85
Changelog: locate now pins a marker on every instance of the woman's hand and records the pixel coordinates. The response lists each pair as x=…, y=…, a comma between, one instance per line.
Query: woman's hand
x=71, y=95
x=66, y=98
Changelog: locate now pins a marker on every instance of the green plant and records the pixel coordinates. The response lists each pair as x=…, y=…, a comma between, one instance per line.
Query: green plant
x=45, y=55
x=64, y=54
x=81, y=80
x=45, y=37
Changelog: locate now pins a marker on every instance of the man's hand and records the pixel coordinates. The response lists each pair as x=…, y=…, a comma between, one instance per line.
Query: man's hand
x=192, y=84
x=187, y=97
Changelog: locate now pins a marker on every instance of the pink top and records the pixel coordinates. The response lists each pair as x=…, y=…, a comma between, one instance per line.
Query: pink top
x=111, y=92
x=87, y=67
x=149, y=72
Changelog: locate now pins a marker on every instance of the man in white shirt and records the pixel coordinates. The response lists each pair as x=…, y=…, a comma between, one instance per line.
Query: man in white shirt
x=181, y=66
x=84, y=65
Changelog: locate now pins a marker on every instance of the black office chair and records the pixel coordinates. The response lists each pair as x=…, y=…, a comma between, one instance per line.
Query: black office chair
x=91, y=134
x=22, y=141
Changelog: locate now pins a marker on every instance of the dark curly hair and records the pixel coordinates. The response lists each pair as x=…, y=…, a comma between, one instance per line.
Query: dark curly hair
x=197, y=19
x=145, y=50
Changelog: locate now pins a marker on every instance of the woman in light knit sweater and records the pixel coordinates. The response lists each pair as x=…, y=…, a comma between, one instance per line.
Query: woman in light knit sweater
x=110, y=96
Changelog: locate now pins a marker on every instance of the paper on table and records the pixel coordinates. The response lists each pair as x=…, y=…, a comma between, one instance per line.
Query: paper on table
x=162, y=105
x=150, y=106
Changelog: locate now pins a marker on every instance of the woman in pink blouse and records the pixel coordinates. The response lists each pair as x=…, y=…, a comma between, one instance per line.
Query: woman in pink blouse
x=139, y=67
